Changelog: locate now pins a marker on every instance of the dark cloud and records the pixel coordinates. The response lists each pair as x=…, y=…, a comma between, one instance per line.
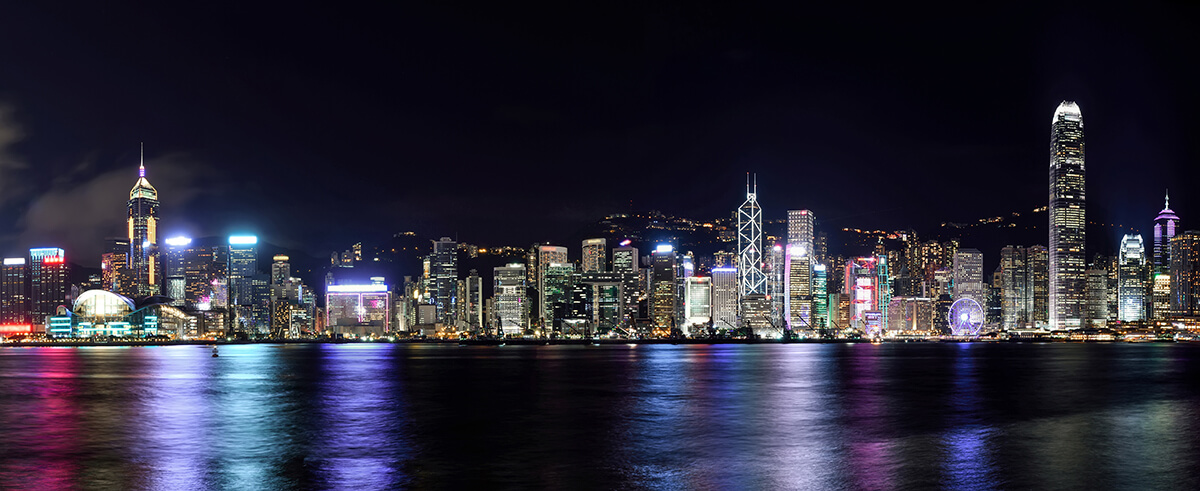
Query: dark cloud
x=11, y=165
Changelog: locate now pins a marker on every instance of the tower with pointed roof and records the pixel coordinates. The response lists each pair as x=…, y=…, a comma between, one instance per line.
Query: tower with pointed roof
x=1164, y=230
x=1068, y=218
x=143, y=234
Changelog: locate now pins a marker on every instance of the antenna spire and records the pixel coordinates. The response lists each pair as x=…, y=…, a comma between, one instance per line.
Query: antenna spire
x=1168, y=200
x=142, y=165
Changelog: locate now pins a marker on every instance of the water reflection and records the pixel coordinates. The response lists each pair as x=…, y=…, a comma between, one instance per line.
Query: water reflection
x=682, y=417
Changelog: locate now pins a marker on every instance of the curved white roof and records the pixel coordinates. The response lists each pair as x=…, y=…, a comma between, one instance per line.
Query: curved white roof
x=1069, y=111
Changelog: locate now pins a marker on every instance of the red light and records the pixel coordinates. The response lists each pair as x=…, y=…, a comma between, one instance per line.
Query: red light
x=52, y=260
x=15, y=328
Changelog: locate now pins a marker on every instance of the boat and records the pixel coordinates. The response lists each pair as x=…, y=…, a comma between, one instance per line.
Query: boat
x=214, y=352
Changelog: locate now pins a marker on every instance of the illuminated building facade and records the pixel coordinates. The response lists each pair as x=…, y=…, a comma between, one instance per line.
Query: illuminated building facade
x=1161, y=296
x=243, y=266
x=358, y=309
x=625, y=263
x=595, y=255
x=48, y=285
x=800, y=224
x=799, y=296
x=866, y=280
x=472, y=302
x=116, y=275
x=443, y=273
x=104, y=313
x=557, y=286
x=697, y=301
x=545, y=256
x=174, y=270
x=14, y=292
x=602, y=300
x=511, y=309
x=143, y=236
x=911, y=316
x=1097, y=297
x=1131, y=283
x=1068, y=220
x=820, y=296
x=968, y=275
x=725, y=298
x=662, y=291
x=1185, y=274
x=1164, y=230
x=1014, y=302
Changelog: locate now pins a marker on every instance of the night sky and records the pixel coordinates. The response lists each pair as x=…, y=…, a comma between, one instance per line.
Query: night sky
x=319, y=126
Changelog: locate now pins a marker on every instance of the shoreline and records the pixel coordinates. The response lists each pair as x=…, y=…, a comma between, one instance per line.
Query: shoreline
x=546, y=342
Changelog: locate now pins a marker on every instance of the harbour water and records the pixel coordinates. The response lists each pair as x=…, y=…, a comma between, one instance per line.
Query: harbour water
x=770, y=416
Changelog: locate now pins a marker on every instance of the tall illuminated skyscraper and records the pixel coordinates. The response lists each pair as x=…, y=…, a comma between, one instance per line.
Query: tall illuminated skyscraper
x=1068, y=220
x=47, y=282
x=511, y=313
x=751, y=279
x=1164, y=230
x=14, y=292
x=968, y=275
x=799, y=294
x=546, y=255
x=725, y=298
x=143, y=235
x=443, y=271
x=625, y=263
x=800, y=229
x=1185, y=274
x=243, y=266
x=1131, y=281
x=663, y=297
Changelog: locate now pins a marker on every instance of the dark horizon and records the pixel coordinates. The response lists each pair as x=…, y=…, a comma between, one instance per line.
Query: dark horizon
x=468, y=120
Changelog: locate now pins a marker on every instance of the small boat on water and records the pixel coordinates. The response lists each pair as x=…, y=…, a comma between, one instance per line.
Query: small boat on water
x=214, y=352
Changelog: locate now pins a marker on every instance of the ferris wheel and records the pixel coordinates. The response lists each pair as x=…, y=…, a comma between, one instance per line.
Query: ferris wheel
x=966, y=317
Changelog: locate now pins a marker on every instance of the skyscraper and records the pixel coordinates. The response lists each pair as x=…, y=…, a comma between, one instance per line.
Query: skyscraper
x=697, y=302
x=1164, y=230
x=725, y=298
x=751, y=279
x=243, y=265
x=1038, y=287
x=473, y=302
x=662, y=294
x=820, y=315
x=509, y=293
x=595, y=255
x=545, y=256
x=968, y=275
x=625, y=263
x=143, y=235
x=1131, y=282
x=443, y=272
x=799, y=294
x=800, y=229
x=174, y=273
x=1185, y=274
x=47, y=283
x=14, y=293
x=1068, y=219
x=1014, y=305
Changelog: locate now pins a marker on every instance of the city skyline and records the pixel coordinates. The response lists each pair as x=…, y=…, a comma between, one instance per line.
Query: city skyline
x=716, y=106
